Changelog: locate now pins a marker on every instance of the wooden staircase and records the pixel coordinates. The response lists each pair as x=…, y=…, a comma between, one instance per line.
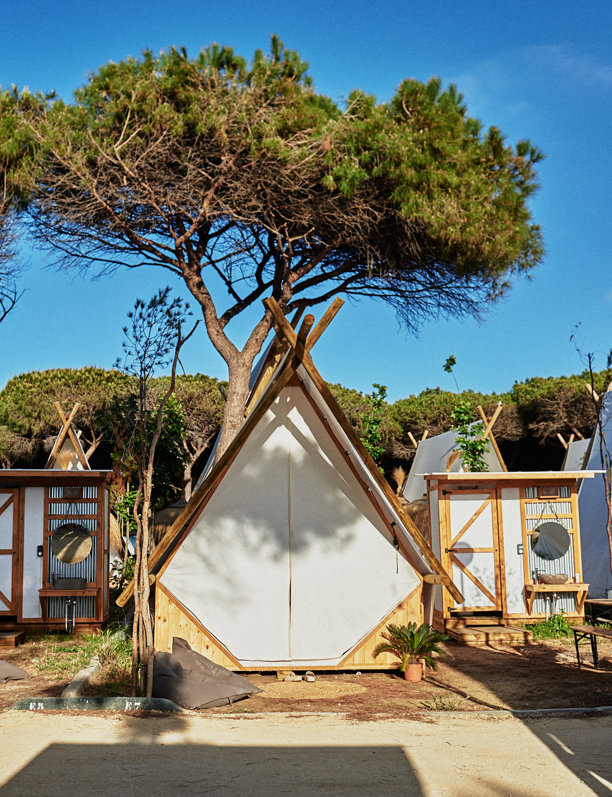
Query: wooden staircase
x=481, y=635
x=10, y=639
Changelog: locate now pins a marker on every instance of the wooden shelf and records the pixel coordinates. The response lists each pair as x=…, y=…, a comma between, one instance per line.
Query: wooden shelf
x=87, y=592
x=531, y=590
x=50, y=592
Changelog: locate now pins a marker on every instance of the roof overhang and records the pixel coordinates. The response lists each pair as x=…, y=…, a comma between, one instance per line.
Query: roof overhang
x=514, y=476
x=42, y=477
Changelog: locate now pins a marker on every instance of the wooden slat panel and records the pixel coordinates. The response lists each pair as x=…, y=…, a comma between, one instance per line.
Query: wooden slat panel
x=172, y=619
x=409, y=610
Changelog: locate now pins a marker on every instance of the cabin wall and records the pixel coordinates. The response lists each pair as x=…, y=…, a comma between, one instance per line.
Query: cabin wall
x=518, y=510
x=513, y=547
x=105, y=520
x=33, y=527
x=39, y=508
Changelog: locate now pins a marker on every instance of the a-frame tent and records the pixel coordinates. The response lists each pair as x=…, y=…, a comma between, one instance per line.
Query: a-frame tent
x=67, y=452
x=293, y=551
x=593, y=506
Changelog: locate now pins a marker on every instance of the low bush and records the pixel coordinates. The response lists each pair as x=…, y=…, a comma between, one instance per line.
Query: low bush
x=554, y=628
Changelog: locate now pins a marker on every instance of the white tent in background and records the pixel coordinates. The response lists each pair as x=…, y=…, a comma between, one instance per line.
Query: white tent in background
x=67, y=452
x=440, y=454
x=593, y=508
x=576, y=455
x=293, y=551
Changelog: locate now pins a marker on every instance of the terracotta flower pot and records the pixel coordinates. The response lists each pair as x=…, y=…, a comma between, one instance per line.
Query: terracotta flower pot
x=413, y=672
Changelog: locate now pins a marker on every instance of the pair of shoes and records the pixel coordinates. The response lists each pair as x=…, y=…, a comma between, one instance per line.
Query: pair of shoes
x=309, y=676
x=291, y=676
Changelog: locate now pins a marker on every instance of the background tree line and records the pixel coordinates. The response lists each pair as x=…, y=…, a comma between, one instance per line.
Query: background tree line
x=533, y=413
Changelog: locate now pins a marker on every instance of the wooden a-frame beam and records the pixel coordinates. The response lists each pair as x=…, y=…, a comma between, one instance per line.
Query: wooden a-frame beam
x=66, y=431
x=488, y=432
x=75, y=441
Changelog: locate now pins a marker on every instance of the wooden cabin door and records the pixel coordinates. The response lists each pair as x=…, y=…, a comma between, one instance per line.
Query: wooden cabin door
x=472, y=551
x=8, y=551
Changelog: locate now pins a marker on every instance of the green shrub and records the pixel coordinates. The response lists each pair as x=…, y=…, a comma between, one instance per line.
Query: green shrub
x=554, y=628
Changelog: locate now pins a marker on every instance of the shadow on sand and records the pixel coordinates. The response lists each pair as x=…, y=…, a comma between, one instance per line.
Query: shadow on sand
x=532, y=678
x=190, y=769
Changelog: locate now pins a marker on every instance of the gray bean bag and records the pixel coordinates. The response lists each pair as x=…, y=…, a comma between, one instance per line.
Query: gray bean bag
x=8, y=672
x=193, y=681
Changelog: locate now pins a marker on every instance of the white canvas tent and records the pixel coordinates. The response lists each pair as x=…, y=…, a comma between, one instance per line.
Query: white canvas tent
x=67, y=452
x=440, y=454
x=294, y=551
x=576, y=455
x=594, y=511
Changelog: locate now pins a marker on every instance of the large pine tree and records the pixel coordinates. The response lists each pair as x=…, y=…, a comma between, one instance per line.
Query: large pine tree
x=245, y=182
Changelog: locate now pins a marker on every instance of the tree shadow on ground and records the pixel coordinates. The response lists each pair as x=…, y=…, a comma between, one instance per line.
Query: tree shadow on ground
x=196, y=769
x=538, y=677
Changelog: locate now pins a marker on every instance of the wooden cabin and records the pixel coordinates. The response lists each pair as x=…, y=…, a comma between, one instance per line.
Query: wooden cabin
x=511, y=543
x=53, y=549
x=293, y=551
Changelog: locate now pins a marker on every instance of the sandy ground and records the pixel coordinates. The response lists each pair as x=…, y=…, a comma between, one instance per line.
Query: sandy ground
x=467, y=679
x=462, y=756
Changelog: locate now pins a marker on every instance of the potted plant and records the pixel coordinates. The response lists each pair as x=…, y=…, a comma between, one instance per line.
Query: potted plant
x=412, y=645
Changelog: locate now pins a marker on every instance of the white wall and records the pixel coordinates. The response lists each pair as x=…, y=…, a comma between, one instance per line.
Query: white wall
x=596, y=568
x=32, y=538
x=6, y=543
x=511, y=523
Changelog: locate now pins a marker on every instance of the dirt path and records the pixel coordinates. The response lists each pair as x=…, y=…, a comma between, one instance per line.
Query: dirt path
x=59, y=754
x=467, y=679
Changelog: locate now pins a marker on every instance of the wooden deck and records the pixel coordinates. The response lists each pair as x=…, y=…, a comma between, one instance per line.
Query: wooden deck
x=482, y=635
x=10, y=639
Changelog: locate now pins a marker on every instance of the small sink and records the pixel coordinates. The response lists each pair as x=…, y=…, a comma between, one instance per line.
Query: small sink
x=69, y=583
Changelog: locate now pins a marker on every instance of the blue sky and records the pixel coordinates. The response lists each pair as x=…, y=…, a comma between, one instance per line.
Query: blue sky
x=536, y=70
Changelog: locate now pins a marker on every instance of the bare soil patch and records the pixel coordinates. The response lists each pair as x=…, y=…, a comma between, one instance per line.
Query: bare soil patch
x=39, y=684
x=542, y=675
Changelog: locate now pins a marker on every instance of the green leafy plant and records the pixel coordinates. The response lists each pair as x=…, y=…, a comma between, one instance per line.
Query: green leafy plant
x=411, y=643
x=555, y=627
x=470, y=440
x=449, y=364
x=371, y=421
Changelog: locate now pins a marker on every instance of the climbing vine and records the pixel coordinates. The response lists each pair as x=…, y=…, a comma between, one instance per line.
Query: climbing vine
x=470, y=440
x=371, y=422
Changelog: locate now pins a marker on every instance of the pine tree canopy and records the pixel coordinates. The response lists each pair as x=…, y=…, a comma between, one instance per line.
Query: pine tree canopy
x=239, y=174
x=243, y=169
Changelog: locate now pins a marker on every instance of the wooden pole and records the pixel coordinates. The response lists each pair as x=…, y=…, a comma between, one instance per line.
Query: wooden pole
x=300, y=349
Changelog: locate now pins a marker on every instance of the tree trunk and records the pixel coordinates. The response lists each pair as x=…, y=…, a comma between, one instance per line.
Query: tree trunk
x=239, y=363
x=187, y=478
x=237, y=394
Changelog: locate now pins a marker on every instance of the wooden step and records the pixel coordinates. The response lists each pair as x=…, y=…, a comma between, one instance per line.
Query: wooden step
x=480, y=635
x=10, y=639
x=471, y=620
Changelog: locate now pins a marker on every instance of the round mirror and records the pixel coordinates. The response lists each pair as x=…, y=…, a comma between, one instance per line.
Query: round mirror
x=71, y=543
x=550, y=540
